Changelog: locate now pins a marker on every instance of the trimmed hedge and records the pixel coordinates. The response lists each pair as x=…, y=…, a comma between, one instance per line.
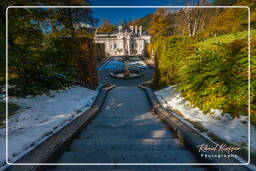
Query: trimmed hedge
x=84, y=59
x=100, y=51
x=171, y=54
x=209, y=79
x=51, y=64
x=148, y=51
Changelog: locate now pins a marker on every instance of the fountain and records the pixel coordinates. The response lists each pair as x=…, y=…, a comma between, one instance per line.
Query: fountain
x=126, y=70
x=126, y=73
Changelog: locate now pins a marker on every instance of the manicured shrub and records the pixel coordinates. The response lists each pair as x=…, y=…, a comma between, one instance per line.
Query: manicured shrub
x=84, y=59
x=209, y=78
x=253, y=80
x=51, y=64
x=148, y=51
x=2, y=62
x=100, y=51
x=170, y=54
x=218, y=79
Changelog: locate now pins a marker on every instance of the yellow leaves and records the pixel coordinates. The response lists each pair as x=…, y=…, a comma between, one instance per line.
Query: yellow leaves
x=229, y=20
x=106, y=27
x=159, y=23
x=136, y=22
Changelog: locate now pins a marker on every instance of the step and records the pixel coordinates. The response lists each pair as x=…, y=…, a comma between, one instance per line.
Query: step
x=126, y=105
x=143, y=134
x=149, y=130
x=129, y=116
x=131, y=113
x=130, y=126
x=92, y=156
x=128, y=144
x=126, y=109
x=128, y=168
x=118, y=140
x=140, y=117
x=115, y=120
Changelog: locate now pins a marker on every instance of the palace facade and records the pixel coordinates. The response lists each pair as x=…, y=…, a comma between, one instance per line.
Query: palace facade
x=126, y=41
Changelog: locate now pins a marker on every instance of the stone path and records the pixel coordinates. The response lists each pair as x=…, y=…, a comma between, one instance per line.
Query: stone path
x=126, y=131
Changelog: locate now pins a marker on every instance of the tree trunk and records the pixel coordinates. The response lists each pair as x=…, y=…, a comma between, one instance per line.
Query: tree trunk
x=189, y=21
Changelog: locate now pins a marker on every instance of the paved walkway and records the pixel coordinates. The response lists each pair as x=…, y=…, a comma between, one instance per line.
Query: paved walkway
x=126, y=131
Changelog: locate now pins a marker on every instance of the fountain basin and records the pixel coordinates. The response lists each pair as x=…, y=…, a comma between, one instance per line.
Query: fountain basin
x=120, y=74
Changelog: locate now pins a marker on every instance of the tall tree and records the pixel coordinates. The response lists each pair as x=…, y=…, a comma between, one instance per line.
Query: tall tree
x=144, y=22
x=37, y=54
x=232, y=19
x=195, y=16
x=106, y=27
x=161, y=23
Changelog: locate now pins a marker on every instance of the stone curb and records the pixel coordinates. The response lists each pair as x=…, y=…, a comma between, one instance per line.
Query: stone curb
x=53, y=145
x=191, y=137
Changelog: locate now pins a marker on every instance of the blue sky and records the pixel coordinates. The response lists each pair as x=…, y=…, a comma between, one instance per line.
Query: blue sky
x=116, y=15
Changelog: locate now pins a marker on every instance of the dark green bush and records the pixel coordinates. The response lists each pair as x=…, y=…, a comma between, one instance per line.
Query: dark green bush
x=39, y=67
x=51, y=64
x=2, y=62
x=100, y=51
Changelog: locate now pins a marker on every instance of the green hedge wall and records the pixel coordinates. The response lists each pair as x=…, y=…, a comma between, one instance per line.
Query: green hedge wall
x=171, y=53
x=51, y=63
x=208, y=78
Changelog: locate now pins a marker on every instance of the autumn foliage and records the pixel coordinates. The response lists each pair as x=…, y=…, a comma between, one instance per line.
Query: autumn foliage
x=160, y=23
x=84, y=59
x=106, y=27
x=44, y=51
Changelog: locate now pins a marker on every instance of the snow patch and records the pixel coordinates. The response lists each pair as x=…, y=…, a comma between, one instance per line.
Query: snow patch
x=221, y=124
x=42, y=115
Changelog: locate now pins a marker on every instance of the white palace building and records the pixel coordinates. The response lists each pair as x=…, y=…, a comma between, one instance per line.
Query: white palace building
x=129, y=42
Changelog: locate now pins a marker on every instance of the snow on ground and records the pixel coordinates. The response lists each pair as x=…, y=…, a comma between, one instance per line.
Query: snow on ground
x=225, y=127
x=41, y=115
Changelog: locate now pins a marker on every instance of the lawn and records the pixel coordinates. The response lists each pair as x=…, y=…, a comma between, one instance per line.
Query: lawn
x=12, y=109
x=227, y=38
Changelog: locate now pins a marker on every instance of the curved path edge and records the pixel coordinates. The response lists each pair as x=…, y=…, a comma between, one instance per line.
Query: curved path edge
x=54, y=144
x=191, y=137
